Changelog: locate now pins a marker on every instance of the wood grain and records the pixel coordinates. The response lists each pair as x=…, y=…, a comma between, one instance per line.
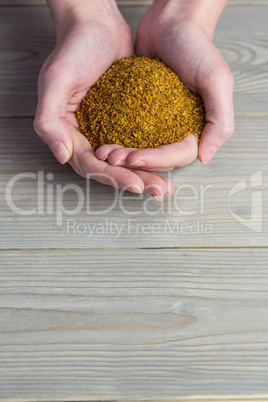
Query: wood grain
x=244, y=46
x=105, y=323
x=135, y=303
x=106, y=218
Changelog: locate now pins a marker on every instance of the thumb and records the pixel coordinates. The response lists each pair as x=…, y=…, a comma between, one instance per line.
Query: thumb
x=50, y=120
x=217, y=94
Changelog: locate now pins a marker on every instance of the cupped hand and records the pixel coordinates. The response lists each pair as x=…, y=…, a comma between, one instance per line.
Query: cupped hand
x=185, y=46
x=86, y=47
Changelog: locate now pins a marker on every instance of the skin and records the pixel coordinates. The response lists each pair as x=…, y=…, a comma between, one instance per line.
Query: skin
x=180, y=33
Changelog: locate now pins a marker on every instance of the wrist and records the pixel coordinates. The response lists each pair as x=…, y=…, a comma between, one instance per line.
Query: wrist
x=205, y=13
x=68, y=13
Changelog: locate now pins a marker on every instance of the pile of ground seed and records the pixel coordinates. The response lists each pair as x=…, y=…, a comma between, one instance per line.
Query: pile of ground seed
x=140, y=102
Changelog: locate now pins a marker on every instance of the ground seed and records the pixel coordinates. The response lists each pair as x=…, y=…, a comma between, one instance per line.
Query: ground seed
x=140, y=102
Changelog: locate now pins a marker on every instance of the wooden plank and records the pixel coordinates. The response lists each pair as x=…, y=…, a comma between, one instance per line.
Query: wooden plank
x=23, y=51
x=106, y=218
x=22, y=3
x=241, y=37
x=245, y=3
x=191, y=324
x=244, y=45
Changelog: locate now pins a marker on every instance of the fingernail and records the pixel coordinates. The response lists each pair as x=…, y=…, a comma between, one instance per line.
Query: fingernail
x=117, y=163
x=60, y=151
x=134, y=189
x=158, y=197
x=156, y=192
x=208, y=154
x=103, y=159
x=169, y=191
x=138, y=163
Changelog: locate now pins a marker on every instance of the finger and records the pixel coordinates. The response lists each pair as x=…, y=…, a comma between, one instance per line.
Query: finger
x=75, y=100
x=71, y=119
x=119, y=156
x=104, y=150
x=177, y=154
x=50, y=120
x=156, y=185
x=158, y=170
x=72, y=107
x=85, y=163
x=217, y=92
x=77, y=97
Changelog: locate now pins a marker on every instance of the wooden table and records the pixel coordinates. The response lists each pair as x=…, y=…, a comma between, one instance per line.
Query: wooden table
x=126, y=298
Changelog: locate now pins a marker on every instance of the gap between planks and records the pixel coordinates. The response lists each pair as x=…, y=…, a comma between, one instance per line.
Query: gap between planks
x=237, y=248
x=246, y=398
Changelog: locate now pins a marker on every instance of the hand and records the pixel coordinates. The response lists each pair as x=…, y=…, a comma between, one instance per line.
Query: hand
x=90, y=37
x=181, y=36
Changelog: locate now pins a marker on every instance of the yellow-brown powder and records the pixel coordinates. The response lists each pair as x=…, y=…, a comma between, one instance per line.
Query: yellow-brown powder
x=140, y=102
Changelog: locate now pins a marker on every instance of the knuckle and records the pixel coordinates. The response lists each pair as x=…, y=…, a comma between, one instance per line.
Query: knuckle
x=230, y=77
x=218, y=75
x=37, y=126
x=225, y=72
x=50, y=69
x=227, y=77
x=192, y=150
x=191, y=157
x=41, y=127
x=227, y=131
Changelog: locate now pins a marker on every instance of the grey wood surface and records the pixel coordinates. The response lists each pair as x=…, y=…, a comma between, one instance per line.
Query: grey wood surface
x=147, y=301
x=32, y=40
x=107, y=325
x=207, y=212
